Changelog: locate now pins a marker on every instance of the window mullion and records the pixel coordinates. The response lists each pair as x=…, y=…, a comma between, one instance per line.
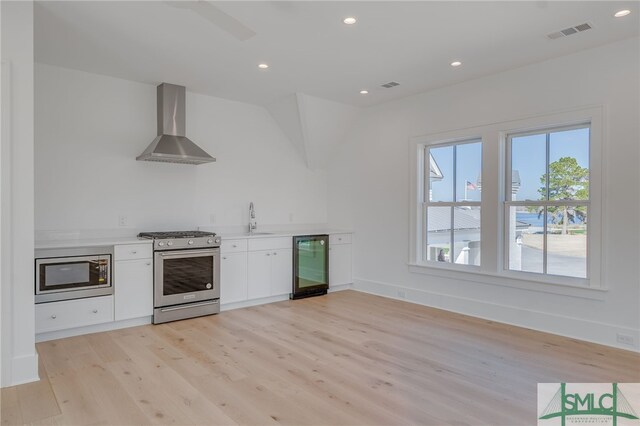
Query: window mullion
x=546, y=209
x=544, y=241
x=451, y=249
x=455, y=199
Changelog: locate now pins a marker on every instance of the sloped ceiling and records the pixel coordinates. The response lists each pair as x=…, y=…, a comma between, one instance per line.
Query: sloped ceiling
x=314, y=126
x=310, y=50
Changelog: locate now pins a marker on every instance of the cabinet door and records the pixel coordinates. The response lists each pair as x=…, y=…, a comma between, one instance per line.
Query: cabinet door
x=259, y=274
x=340, y=264
x=233, y=277
x=281, y=272
x=133, y=288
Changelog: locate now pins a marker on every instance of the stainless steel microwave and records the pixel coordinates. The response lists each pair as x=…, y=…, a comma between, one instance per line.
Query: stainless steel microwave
x=64, y=274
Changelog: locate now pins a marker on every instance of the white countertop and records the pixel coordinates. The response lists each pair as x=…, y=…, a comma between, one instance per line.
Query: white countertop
x=273, y=234
x=89, y=242
x=112, y=241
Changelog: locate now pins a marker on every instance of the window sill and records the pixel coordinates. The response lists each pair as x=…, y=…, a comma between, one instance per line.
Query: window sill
x=511, y=279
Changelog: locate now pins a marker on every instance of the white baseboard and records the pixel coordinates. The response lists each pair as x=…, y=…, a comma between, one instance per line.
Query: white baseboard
x=24, y=369
x=96, y=328
x=264, y=300
x=340, y=287
x=576, y=328
x=252, y=302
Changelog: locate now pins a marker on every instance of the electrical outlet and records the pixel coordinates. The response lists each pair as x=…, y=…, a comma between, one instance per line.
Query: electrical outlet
x=123, y=220
x=625, y=339
x=212, y=218
x=401, y=294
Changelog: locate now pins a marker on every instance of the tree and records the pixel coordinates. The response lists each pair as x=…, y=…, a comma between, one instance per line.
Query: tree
x=567, y=181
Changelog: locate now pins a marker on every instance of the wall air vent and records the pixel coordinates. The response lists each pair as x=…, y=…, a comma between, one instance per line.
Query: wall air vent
x=570, y=31
x=390, y=84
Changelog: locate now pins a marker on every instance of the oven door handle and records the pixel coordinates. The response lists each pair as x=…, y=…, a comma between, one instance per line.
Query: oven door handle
x=191, y=305
x=187, y=253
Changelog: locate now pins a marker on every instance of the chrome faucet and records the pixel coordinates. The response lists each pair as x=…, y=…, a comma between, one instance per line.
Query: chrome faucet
x=252, y=218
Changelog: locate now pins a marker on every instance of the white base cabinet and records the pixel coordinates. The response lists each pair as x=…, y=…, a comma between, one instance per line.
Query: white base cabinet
x=281, y=272
x=133, y=281
x=73, y=313
x=270, y=273
x=133, y=288
x=233, y=277
x=340, y=260
x=259, y=274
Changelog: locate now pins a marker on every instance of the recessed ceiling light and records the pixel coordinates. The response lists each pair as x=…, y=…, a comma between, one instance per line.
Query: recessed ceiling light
x=364, y=92
x=349, y=20
x=263, y=66
x=621, y=13
x=456, y=63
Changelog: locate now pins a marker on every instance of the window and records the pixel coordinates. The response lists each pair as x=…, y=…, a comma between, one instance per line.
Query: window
x=514, y=203
x=451, y=200
x=547, y=201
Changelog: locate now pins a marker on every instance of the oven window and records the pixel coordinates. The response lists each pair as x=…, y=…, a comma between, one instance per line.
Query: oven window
x=74, y=274
x=186, y=275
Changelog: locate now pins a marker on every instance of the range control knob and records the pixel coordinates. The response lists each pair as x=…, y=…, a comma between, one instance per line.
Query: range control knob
x=209, y=285
x=209, y=241
x=161, y=243
x=217, y=240
x=169, y=243
x=190, y=242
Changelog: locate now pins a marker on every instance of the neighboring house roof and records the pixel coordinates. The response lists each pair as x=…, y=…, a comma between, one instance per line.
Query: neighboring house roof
x=439, y=219
x=465, y=218
x=434, y=170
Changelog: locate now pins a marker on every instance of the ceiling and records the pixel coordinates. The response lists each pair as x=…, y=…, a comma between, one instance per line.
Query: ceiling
x=309, y=48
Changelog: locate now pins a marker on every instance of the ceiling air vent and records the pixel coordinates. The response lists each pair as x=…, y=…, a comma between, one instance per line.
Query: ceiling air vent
x=570, y=31
x=390, y=84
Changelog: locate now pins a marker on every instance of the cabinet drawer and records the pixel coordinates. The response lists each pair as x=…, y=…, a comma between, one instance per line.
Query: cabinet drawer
x=133, y=251
x=73, y=313
x=233, y=246
x=340, y=239
x=270, y=243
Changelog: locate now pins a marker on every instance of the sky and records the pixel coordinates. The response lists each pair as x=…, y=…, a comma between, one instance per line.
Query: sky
x=528, y=157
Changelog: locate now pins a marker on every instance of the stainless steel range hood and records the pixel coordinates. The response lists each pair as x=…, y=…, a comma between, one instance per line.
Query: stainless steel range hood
x=171, y=145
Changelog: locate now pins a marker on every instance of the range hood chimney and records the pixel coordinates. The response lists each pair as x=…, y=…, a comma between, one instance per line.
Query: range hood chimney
x=171, y=145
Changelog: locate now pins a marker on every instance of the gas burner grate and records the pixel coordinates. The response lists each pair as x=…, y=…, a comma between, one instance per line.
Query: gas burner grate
x=175, y=234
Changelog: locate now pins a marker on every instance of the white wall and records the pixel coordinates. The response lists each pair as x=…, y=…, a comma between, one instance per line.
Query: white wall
x=19, y=358
x=369, y=190
x=90, y=128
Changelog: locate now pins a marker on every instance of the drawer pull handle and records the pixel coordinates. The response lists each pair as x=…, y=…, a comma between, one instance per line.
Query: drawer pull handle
x=339, y=239
x=234, y=245
x=133, y=252
x=95, y=311
x=224, y=258
x=275, y=254
x=268, y=254
x=53, y=316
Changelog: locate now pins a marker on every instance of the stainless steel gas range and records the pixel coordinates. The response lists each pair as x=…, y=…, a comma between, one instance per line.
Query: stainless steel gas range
x=186, y=274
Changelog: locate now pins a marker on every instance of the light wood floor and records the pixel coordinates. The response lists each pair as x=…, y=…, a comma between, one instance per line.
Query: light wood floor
x=346, y=358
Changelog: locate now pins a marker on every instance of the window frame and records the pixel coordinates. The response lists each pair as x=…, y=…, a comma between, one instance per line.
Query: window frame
x=494, y=142
x=509, y=202
x=426, y=203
